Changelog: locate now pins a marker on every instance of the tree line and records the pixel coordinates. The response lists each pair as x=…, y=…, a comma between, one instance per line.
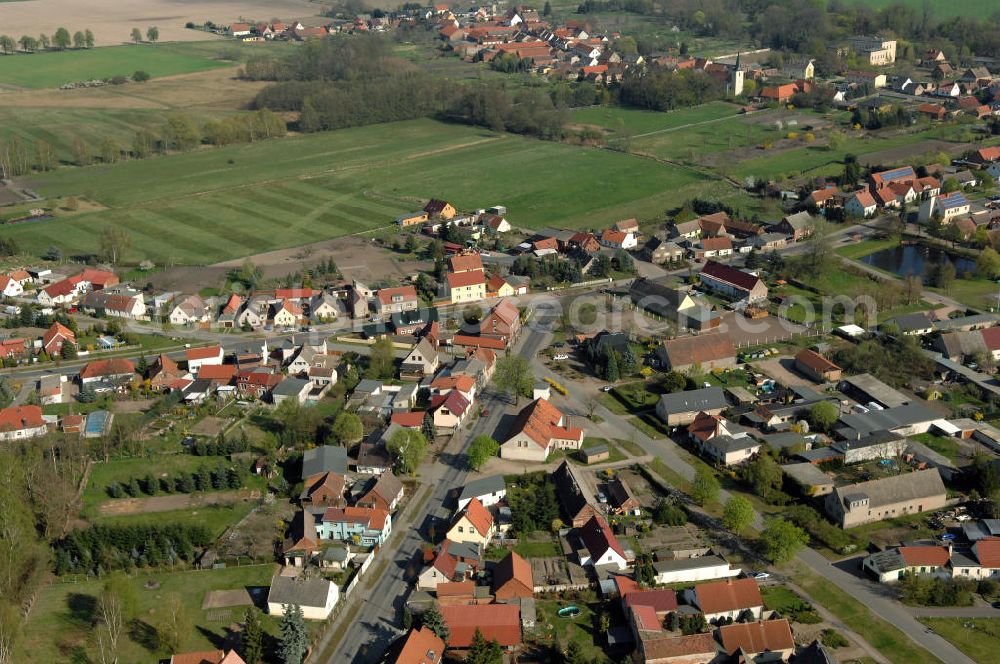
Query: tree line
x=59, y=41
x=202, y=479
x=104, y=548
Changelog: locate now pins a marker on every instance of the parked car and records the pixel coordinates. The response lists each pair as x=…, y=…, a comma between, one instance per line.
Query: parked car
x=760, y=576
x=607, y=388
x=561, y=356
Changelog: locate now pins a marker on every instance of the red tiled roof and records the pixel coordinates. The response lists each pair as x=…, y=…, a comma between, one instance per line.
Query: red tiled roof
x=496, y=621
x=705, y=426
x=613, y=237
x=823, y=195
x=462, y=279
x=478, y=516
x=646, y=619
x=716, y=243
x=460, y=383
x=203, y=353
x=20, y=417
x=456, y=589
x=113, y=367
x=293, y=293
x=865, y=198
x=407, y=293
x=661, y=600
x=815, y=361
x=772, y=635
x=422, y=646
x=728, y=595
x=991, y=337
x=512, y=577
x=598, y=537
x=989, y=154
x=924, y=555
x=540, y=421
x=730, y=275
x=223, y=372
x=454, y=401
x=988, y=552
x=466, y=263
x=412, y=420
x=679, y=646
x=702, y=349
x=478, y=342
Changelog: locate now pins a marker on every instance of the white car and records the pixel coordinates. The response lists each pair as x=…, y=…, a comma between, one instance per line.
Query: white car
x=561, y=356
x=760, y=576
x=607, y=388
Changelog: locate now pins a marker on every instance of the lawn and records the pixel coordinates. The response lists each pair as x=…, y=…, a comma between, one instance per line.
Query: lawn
x=60, y=627
x=123, y=470
x=979, y=638
x=940, y=444
x=883, y=636
x=858, y=250
x=583, y=629
x=216, y=204
x=613, y=119
x=53, y=68
x=779, y=598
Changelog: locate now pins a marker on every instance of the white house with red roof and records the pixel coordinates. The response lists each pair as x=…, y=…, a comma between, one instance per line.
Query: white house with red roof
x=450, y=410
x=55, y=337
x=20, y=422
x=618, y=239
x=539, y=429
x=861, y=204
x=396, y=300
x=600, y=546
x=198, y=357
x=10, y=287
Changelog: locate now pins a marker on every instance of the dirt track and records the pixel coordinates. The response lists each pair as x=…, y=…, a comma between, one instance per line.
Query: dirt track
x=172, y=502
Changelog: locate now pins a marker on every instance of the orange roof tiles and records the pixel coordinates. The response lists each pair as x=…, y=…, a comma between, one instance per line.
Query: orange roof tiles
x=20, y=417
x=478, y=516
x=496, y=621
x=728, y=595
x=916, y=556
x=767, y=635
x=422, y=646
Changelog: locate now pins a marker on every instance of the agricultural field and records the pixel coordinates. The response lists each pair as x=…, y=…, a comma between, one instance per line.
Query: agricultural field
x=53, y=68
x=60, y=127
x=216, y=204
x=60, y=627
x=112, y=20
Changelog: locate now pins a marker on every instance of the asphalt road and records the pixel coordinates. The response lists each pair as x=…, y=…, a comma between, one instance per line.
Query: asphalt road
x=379, y=620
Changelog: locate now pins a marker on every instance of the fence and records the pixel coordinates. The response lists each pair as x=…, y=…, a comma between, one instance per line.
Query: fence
x=365, y=564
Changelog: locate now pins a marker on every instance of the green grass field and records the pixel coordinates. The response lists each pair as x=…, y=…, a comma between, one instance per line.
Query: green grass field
x=641, y=122
x=967, y=8
x=216, y=204
x=979, y=638
x=53, y=68
x=123, y=470
x=60, y=627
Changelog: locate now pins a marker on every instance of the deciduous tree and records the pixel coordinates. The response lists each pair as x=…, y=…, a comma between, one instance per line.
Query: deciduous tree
x=514, y=376
x=408, y=448
x=152, y=33
x=705, y=488
x=782, y=540
x=480, y=450
x=61, y=39
x=347, y=428
x=114, y=241
x=738, y=514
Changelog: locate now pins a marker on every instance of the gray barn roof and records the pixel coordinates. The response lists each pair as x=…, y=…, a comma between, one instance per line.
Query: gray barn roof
x=324, y=459
x=299, y=590
x=708, y=398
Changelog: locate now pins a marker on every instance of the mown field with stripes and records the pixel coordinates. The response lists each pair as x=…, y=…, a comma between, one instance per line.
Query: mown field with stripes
x=218, y=204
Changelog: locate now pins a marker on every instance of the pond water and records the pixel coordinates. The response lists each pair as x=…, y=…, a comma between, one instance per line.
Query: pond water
x=910, y=259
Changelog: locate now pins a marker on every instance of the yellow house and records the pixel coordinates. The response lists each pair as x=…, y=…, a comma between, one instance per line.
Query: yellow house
x=286, y=314
x=473, y=524
x=498, y=287
x=466, y=286
x=439, y=208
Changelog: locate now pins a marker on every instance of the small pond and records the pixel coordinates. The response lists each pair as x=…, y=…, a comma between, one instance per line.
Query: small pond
x=909, y=259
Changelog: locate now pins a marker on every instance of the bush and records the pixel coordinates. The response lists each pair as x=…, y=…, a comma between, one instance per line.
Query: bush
x=834, y=639
x=140, y=76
